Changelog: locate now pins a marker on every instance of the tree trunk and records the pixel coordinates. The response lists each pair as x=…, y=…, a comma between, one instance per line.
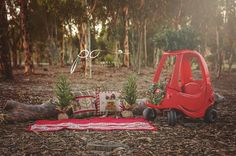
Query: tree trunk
x=117, y=54
x=83, y=38
x=205, y=41
x=140, y=49
x=14, y=44
x=219, y=54
x=19, y=58
x=126, y=40
x=231, y=60
x=49, y=54
x=70, y=46
x=145, y=42
x=177, y=18
x=62, y=54
x=55, y=37
x=14, y=57
x=49, y=40
x=134, y=49
x=19, y=112
x=38, y=57
x=5, y=60
x=25, y=33
x=154, y=61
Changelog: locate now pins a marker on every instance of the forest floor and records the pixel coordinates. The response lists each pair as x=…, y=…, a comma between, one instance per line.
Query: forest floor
x=189, y=137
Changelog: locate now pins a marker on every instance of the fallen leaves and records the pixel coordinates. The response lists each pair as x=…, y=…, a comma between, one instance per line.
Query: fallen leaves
x=189, y=137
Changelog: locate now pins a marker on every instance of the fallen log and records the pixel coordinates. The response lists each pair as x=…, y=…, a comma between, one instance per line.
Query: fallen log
x=19, y=112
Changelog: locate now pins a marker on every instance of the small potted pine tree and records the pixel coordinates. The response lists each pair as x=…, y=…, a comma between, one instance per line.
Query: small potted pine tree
x=64, y=96
x=130, y=96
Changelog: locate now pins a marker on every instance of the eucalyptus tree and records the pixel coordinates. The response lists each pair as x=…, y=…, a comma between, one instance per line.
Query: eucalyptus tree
x=146, y=18
x=46, y=25
x=14, y=32
x=230, y=32
x=117, y=22
x=5, y=60
x=215, y=22
x=200, y=15
x=51, y=21
x=216, y=34
x=126, y=37
x=113, y=28
x=41, y=31
x=28, y=63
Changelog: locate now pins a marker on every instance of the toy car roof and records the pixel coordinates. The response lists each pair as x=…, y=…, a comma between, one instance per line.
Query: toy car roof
x=191, y=53
x=185, y=51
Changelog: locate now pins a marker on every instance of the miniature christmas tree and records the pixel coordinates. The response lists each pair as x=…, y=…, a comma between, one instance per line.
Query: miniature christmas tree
x=130, y=90
x=64, y=94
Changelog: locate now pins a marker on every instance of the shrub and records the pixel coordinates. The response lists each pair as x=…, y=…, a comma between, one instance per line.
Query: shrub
x=184, y=38
x=109, y=59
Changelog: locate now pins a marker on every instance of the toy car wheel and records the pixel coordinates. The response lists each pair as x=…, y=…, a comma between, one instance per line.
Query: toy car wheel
x=211, y=115
x=149, y=114
x=171, y=117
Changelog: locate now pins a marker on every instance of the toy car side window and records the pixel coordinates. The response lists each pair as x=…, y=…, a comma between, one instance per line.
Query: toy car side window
x=196, y=69
x=167, y=69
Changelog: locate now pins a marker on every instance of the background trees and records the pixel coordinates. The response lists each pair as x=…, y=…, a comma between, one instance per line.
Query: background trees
x=5, y=61
x=53, y=32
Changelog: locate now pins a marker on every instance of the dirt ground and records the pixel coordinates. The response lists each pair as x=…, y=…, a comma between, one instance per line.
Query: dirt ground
x=189, y=137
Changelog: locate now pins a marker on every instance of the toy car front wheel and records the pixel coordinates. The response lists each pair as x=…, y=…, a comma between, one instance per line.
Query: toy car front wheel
x=171, y=117
x=149, y=114
x=210, y=116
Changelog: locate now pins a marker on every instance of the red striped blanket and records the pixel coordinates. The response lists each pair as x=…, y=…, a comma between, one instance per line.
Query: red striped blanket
x=102, y=124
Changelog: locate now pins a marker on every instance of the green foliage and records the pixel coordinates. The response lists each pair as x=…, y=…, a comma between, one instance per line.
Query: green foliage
x=156, y=93
x=130, y=90
x=63, y=92
x=184, y=38
x=109, y=59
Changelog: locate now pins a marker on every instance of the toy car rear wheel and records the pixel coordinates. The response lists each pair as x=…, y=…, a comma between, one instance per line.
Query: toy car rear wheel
x=171, y=117
x=149, y=114
x=210, y=116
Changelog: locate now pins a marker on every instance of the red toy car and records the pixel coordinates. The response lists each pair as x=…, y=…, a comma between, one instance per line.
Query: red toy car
x=184, y=93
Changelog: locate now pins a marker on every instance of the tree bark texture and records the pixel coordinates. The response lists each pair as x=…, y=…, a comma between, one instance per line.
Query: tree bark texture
x=25, y=33
x=140, y=49
x=5, y=60
x=83, y=39
x=231, y=60
x=62, y=53
x=219, y=54
x=177, y=18
x=126, y=39
x=145, y=43
x=15, y=46
x=19, y=112
x=14, y=56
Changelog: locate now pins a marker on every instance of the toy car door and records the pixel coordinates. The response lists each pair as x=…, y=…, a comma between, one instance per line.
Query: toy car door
x=193, y=84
